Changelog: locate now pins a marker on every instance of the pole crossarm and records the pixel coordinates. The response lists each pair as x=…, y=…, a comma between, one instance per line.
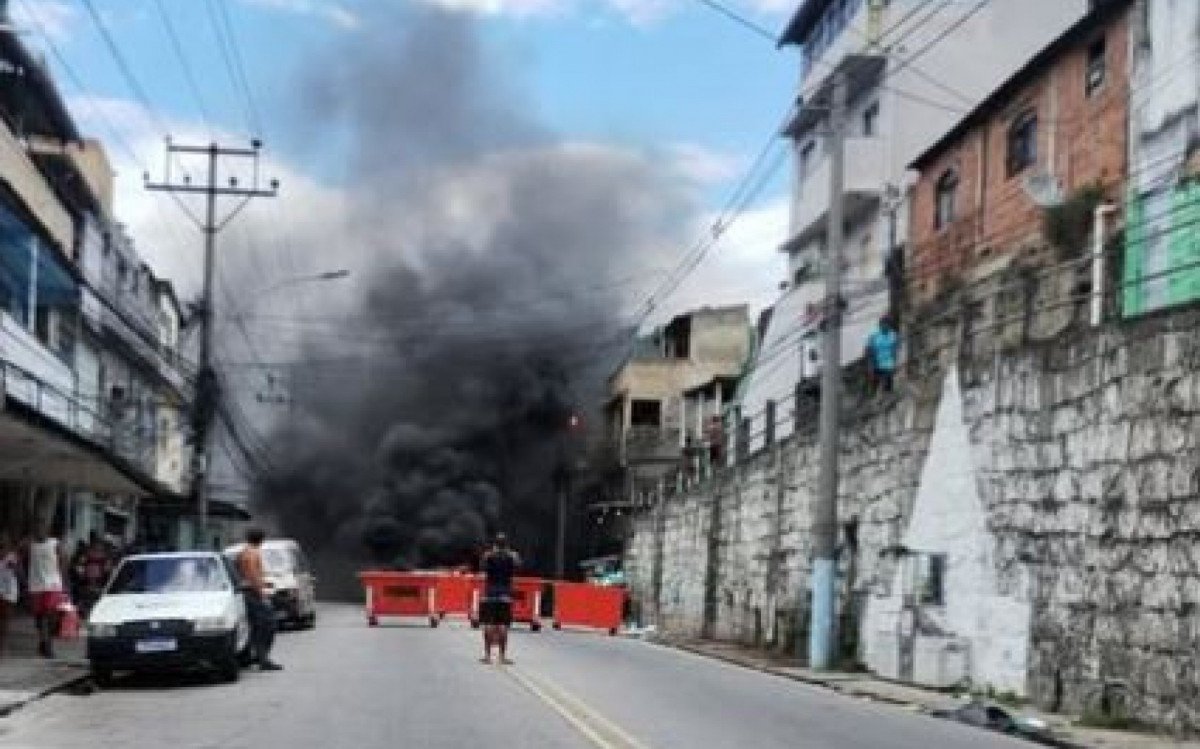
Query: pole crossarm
x=203, y=190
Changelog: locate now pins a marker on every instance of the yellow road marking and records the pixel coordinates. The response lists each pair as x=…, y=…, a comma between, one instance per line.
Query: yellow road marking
x=595, y=727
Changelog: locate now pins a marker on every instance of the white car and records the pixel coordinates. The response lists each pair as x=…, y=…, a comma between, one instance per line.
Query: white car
x=290, y=581
x=165, y=611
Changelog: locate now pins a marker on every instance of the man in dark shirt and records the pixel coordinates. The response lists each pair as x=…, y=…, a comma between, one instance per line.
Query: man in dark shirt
x=495, y=606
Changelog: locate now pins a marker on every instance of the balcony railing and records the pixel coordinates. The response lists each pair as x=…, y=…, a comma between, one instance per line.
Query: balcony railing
x=119, y=437
x=65, y=409
x=652, y=443
x=864, y=173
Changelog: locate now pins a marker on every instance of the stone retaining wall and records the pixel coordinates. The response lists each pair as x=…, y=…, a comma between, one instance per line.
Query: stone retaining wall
x=1086, y=452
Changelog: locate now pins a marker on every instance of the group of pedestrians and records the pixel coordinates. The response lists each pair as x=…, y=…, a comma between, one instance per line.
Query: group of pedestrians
x=38, y=571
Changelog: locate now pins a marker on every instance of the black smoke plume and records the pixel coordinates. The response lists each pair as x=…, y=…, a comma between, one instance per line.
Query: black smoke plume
x=500, y=262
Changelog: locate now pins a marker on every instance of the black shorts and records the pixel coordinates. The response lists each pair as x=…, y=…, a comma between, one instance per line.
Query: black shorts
x=495, y=613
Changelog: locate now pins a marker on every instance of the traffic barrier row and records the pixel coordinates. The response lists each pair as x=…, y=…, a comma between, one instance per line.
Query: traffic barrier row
x=437, y=595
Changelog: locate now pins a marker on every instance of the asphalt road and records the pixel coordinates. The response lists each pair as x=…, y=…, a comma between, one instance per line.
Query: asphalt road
x=346, y=685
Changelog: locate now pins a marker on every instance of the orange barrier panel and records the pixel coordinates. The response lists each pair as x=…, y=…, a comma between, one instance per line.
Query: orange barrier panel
x=587, y=605
x=526, y=602
x=456, y=594
x=400, y=594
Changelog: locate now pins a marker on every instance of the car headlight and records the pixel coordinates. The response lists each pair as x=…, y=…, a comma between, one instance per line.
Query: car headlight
x=212, y=624
x=101, y=630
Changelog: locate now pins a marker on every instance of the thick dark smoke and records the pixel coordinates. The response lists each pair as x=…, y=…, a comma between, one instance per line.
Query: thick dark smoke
x=498, y=264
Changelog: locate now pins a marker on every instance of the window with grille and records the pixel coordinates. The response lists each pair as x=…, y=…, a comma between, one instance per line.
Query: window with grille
x=945, y=197
x=1022, y=142
x=1096, y=65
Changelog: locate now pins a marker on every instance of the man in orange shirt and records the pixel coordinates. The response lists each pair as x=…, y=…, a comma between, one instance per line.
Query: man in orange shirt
x=258, y=606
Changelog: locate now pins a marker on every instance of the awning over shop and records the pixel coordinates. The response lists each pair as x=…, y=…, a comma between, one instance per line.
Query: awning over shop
x=36, y=448
x=217, y=508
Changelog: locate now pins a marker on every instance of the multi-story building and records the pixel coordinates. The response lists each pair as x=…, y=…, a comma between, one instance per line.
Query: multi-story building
x=83, y=367
x=1012, y=192
x=1161, y=262
x=912, y=68
x=662, y=396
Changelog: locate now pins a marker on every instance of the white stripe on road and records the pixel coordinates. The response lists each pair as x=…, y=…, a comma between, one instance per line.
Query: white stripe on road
x=599, y=730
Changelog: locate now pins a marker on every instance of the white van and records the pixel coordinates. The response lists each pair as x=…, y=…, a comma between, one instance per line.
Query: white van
x=176, y=610
x=290, y=581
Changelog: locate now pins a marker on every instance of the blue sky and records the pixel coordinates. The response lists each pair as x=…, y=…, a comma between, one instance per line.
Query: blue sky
x=669, y=76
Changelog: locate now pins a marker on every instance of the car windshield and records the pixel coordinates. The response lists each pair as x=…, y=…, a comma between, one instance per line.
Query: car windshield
x=170, y=575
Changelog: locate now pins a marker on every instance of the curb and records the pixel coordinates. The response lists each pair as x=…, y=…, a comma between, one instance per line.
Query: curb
x=833, y=686
x=8, y=708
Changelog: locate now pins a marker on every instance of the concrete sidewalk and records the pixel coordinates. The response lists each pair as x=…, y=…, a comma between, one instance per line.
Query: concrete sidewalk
x=1060, y=729
x=25, y=677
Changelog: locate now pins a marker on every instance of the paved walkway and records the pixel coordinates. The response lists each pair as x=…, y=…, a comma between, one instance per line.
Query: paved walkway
x=24, y=676
x=1059, y=729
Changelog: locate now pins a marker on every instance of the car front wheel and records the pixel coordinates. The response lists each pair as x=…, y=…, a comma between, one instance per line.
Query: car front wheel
x=229, y=667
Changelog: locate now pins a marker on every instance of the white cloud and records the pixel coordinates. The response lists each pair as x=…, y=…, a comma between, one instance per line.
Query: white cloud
x=771, y=7
x=704, y=166
x=744, y=267
x=643, y=13
x=332, y=12
x=54, y=17
x=517, y=8
x=164, y=236
x=640, y=13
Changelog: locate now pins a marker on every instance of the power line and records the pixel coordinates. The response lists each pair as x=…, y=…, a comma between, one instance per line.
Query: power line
x=227, y=57
x=97, y=111
x=180, y=55
x=740, y=19
x=941, y=36
x=743, y=194
x=906, y=33
x=240, y=66
x=123, y=66
x=914, y=10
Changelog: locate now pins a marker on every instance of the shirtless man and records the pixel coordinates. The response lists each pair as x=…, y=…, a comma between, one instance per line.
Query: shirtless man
x=258, y=606
x=495, y=607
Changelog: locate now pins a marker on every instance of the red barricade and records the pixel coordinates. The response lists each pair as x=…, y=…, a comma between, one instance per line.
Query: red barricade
x=456, y=594
x=587, y=605
x=526, y=602
x=400, y=594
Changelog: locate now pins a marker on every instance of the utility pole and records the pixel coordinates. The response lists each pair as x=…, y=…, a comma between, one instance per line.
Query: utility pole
x=824, y=572
x=560, y=539
x=207, y=386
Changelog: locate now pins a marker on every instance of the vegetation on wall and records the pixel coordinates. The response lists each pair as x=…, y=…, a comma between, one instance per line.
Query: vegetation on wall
x=1068, y=225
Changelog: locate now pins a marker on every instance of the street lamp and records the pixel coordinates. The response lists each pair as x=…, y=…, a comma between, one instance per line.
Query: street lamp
x=329, y=275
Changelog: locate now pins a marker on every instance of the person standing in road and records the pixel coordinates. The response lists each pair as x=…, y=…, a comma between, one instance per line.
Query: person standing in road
x=258, y=606
x=46, y=563
x=495, y=607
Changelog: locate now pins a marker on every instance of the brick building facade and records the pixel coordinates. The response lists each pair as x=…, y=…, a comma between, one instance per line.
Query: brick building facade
x=1055, y=130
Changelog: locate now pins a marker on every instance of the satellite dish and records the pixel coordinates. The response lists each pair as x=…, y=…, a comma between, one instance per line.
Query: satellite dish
x=1043, y=188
